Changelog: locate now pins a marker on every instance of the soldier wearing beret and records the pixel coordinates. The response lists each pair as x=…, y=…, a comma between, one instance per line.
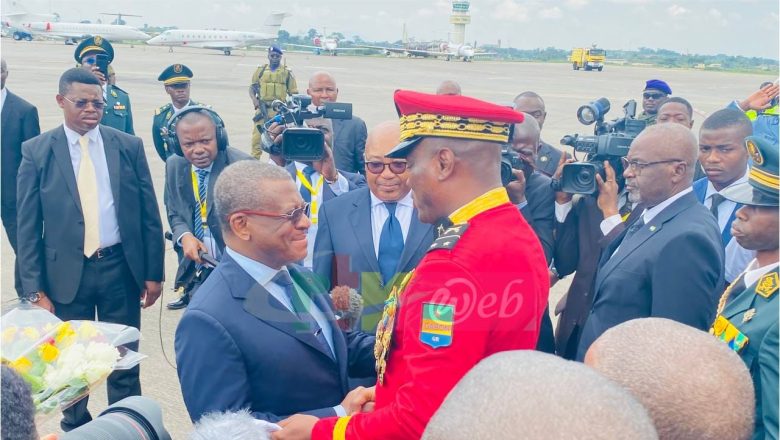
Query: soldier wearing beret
x=747, y=317
x=117, y=112
x=480, y=289
x=176, y=80
x=655, y=94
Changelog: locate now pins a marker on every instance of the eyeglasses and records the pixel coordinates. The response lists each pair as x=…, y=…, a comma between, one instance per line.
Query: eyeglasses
x=653, y=96
x=638, y=166
x=379, y=167
x=82, y=103
x=294, y=216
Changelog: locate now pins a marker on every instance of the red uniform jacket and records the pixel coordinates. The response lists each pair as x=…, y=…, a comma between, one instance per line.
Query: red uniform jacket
x=493, y=273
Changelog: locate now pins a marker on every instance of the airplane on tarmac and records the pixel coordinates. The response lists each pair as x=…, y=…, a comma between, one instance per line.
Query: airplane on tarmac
x=321, y=44
x=447, y=51
x=220, y=40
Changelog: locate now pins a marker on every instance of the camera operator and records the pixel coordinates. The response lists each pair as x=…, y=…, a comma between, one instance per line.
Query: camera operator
x=319, y=181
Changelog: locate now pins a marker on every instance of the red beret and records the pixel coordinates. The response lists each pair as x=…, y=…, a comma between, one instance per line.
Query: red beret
x=451, y=116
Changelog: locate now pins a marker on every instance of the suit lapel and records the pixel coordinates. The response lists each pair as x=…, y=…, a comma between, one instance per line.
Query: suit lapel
x=219, y=164
x=59, y=145
x=111, y=149
x=414, y=240
x=185, y=185
x=360, y=217
x=318, y=293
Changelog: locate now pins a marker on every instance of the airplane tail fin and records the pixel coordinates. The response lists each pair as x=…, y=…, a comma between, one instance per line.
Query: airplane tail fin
x=273, y=22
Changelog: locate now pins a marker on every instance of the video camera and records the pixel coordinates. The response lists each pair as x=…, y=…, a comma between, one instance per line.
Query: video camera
x=132, y=418
x=301, y=143
x=610, y=141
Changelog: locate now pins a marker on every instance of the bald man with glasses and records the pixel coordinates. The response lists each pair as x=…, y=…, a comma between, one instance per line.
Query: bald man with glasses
x=369, y=237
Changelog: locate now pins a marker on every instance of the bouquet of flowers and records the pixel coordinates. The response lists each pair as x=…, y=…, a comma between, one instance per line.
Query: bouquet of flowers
x=63, y=361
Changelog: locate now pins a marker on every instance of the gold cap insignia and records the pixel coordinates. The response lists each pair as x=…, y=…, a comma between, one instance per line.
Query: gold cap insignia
x=98, y=40
x=177, y=68
x=754, y=152
x=768, y=284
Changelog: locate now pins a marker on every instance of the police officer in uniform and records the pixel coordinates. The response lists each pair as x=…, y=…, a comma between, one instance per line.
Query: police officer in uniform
x=117, y=113
x=655, y=94
x=748, y=314
x=269, y=82
x=480, y=289
x=176, y=80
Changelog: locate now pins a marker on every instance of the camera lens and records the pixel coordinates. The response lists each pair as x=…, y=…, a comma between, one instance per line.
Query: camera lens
x=134, y=418
x=584, y=178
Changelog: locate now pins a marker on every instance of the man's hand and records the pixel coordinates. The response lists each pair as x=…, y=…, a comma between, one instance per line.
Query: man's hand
x=561, y=197
x=357, y=399
x=152, y=291
x=553, y=278
x=608, y=192
x=761, y=99
x=275, y=131
x=297, y=427
x=326, y=166
x=191, y=246
x=516, y=188
x=96, y=71
x=44, y=302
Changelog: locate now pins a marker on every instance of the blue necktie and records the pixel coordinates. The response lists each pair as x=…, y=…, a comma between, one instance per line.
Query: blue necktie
x=197, y=222
x=308, y=171
x=282, y=279
x=391, y=244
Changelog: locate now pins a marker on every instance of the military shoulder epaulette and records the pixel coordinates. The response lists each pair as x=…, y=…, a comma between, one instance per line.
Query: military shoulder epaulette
x=117, y=88
x=162, y=108
x=449, y=237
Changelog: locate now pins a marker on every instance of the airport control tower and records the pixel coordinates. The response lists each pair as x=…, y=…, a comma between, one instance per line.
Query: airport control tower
x=459, y=18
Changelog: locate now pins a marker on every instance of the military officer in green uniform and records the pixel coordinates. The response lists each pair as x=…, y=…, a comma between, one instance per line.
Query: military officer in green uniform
x=748, y=314
x=117, y=113
x=176, y=80
x=269, y=82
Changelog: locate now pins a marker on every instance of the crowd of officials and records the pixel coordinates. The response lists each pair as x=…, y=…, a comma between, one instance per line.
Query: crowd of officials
x=396, y=288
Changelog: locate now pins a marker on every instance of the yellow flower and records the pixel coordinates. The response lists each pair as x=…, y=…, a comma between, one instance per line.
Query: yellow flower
x=48, y=352
x=9, y=333
x=87, y=331
x=65, y=334
x=22, y=365
x=31, y=333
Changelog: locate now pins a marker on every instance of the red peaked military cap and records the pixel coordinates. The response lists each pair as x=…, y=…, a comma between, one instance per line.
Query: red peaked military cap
x=451, y=116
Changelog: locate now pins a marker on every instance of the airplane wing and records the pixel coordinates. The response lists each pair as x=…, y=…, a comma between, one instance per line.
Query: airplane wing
x=220, y=45
x=485, y=54
x=400, y=50
x=302, y=45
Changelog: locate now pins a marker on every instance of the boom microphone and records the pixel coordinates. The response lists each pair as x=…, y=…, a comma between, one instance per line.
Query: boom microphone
x=347, y=305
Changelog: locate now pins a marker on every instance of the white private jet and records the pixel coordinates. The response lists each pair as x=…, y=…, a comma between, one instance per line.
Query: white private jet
x=447, y=51
x=328, y=45
x=72, y=32
x=220, y=40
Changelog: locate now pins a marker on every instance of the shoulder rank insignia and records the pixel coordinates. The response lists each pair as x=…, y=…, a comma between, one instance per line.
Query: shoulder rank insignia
x=437, y=323
x=113, y=93
x=767, y=285
x=750, y=314
x=161, y=109
x=449, y=237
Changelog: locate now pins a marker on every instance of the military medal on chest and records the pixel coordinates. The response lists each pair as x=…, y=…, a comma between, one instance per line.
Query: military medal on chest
x=384, y=330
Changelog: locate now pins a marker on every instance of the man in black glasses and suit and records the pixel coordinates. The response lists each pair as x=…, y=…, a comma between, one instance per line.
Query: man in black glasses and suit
x=261, y=333
x=370, y=236
x=669, y=262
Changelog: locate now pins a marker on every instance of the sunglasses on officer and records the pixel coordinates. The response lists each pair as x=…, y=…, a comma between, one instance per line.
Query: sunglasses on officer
x=82, y=103
x=377, y=167
x=653, y=95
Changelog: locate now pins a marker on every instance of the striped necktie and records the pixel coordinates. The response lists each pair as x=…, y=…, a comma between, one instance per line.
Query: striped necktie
x=87, y=187
x=197, y=219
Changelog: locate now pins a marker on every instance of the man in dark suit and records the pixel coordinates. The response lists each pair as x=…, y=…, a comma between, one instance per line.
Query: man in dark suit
x=199, y=156
x=669, y=262
x=90, y=234
x=723, y=156
x=19, y=123
x=547, y=156
x=532, y=193
x=261, y=334
x=360, y=243
x=321, y=180
x=349, y=135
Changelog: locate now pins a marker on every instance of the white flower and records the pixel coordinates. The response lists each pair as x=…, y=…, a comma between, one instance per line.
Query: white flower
x=88, y=363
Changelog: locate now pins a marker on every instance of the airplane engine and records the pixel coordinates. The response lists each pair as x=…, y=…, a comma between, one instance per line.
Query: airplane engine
x=387, y=53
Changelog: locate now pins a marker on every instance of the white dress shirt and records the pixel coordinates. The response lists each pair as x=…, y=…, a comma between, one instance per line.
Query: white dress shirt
x=737, y=257
x=109, y=226
x=3, y=95
x=379, y=214
x=754, y=273
x=340, y=187
x=208, y=238
x=263, y=275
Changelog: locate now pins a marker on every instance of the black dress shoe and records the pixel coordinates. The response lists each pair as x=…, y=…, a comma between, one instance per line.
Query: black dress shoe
x=179, y=303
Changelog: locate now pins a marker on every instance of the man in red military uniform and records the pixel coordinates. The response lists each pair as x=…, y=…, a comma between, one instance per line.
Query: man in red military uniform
x=481, y=288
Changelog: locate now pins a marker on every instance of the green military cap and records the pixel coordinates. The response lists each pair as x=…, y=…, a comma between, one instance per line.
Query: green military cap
x=762, y=187
x=94, y=44
x=175, y=74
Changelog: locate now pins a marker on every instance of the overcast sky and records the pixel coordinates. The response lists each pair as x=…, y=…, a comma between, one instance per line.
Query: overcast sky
x=734, y=27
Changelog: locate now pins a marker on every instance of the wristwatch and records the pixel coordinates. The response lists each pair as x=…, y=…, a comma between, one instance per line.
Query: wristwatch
x=33, y=297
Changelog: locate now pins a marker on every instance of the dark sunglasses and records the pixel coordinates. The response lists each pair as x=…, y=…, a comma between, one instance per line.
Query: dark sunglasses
x=379, y=167
x=294, y=216
x=655, y=96
x=82, y=103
